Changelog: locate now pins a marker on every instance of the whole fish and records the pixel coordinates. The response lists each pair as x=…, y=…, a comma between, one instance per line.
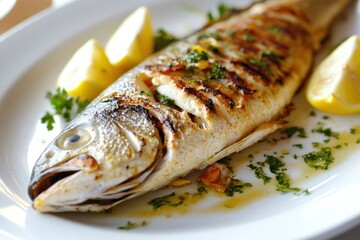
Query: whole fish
x=200, y=99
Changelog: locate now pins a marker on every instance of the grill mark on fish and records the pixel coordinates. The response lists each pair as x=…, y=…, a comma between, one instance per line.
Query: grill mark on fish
x=239, y=83
x=194, y=92
x=224, y=99
x=253, y=71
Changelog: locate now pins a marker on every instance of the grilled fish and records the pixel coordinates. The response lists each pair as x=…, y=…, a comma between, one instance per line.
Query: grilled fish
x=214, y=93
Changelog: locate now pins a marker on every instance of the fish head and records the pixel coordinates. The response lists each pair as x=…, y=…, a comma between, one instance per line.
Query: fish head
x=97, y=160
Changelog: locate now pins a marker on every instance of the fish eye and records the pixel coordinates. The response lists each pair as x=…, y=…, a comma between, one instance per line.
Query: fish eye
x=74, y=138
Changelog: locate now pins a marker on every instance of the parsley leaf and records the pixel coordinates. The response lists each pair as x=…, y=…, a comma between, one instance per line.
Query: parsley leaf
x=131, y=225
x=236, y=185
x=217, y=71
x=275, y=164
x=165, y=100
x=319, y=159
x=259, y=173
x=64, y=106
x=326, y=131
x=290, y=131
x=49, y=120
x=194, y=56
x=222, y=10
x=162, y=39
x=283, y=184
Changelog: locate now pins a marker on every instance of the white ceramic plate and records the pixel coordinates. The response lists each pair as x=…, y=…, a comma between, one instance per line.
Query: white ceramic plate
x=31, y=57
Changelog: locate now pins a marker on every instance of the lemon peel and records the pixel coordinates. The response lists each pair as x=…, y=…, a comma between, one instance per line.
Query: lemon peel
x=334, y=86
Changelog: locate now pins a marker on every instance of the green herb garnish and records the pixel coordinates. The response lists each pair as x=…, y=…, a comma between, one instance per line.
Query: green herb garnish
x=201, y=190
x=275, y=164
x=64, y=105
x=131, y=225
x=165, y=100
x=326, y=131
x=145, y=93
x=194, y=56
x=272, y=55
x=290, y=131
x=226, y=162
x=248, y=37
x=259, y=63
x=222, y=10
x=298, y=145
x=236, y=186
x=166, y=201
x=259, y=173
x=319, y=159
x=275, y=29
x=284, y=184
x=214, y=35
x=312, y=113
x=217, y=71
x=162, y=39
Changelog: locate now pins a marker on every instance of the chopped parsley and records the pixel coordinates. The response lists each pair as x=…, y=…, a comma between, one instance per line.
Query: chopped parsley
x=284, y=184
x=201, y=190
x=312, y=113
x=319, y=159
x=248, y=37
x=162, y=39
x=275, y=29
x=145, y=93
x=131, y=225
x=226, y=162
x=352, y=130
x=195, y=56
x=214, y=35
x=217, y=71
x=259, y=63
x=275, y=164
x=259, y=173
x=167, y=200
x=49, y=120
x=272, y=55
x=166, y=100
x=315, y=144
x=290, y=131
x=236, y=186
x=214, y=49
x=64, y=105
x=222, y=10
x=298, y=145
x=326, y=131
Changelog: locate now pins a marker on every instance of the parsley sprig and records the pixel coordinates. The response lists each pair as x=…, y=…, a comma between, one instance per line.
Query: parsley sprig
x=221, y=11
x=64, y=105
x=162, y=39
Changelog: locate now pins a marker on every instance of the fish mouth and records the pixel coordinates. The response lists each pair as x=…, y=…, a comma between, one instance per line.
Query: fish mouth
x=46, y=181
x=49, y=177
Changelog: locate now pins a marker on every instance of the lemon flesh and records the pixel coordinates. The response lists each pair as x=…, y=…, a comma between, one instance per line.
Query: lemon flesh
x=334, y=87
x=88, y=72
x=132, y=42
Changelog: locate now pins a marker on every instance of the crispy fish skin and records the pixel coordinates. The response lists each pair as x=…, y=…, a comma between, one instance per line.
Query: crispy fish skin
x=184, y=108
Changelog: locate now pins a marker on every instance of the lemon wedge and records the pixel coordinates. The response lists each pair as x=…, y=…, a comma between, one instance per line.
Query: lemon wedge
x=132, y=42
x=88, y=72
x=334, y=87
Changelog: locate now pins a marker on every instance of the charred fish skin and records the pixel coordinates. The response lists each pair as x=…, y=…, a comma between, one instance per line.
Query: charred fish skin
x=209, y=95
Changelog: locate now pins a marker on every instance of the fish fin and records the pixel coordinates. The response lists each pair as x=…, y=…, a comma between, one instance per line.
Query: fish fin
x=258, y=134
x=321, y=13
